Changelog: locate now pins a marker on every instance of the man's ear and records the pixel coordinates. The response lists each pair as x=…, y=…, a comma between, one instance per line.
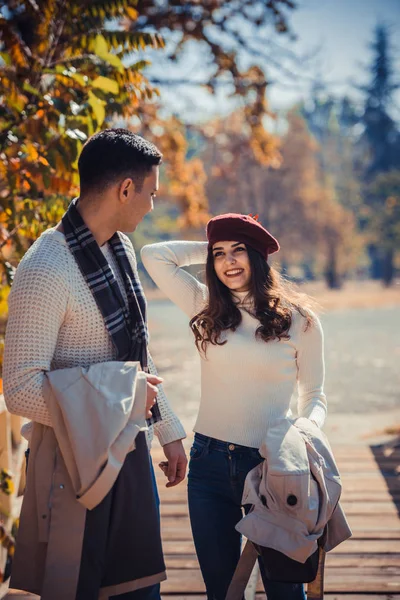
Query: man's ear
x=126, y=188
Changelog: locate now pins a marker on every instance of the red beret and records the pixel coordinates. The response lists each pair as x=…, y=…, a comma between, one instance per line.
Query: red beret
x=241, y=228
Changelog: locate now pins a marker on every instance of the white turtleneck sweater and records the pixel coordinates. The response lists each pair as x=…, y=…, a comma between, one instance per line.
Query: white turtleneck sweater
x=246, y=383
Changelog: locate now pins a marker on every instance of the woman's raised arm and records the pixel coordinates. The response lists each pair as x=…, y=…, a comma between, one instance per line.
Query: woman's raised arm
x=164, y=262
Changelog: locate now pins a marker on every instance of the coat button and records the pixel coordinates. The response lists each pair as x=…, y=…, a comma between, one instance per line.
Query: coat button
x=291, y=500
x=61, y=486
x=231, y=447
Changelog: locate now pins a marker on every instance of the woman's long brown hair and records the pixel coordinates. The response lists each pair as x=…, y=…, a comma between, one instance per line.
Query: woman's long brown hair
x=273, y=303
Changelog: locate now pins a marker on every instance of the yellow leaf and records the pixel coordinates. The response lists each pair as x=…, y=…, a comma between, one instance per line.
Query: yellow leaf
x=132, y=13
x=97, y=106
x=31, y=151
x=113, y=60
x=79, y=78
x=106, y=84
x=100, y=46
x=101, y=49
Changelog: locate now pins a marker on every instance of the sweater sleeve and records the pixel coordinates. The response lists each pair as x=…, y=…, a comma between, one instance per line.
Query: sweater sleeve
x=164, y=262
x=170, y=428
x=37, y=308
x=311, y=372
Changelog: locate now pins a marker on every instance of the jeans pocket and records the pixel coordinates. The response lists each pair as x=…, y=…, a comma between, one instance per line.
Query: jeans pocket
x=197, y=451
x=255, y=455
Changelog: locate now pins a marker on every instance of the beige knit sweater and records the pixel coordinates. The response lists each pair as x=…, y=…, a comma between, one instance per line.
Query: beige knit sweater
x=246, y=383
x=54, y=323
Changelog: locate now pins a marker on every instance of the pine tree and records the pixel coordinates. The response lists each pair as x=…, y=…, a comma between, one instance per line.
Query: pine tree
x=381, y=133
x=382, y=141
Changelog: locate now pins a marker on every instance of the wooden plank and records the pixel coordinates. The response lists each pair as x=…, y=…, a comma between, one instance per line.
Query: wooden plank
x=350, y=482
x=371, y=508
x=384, y=495
x=348, y=453
x=327, y=596
x=369, y=465
x=375, y=534
x=251, y=588
x=370, y=496
x=16, y=424
x=19, y=595
x=184, y=534
x=5, y=459
x=377, y=493
x=371, y=580
x=379, y=523
x=19, y=472
x=370, y=471
x=350, y=508
x=377, y=483
x=346, y=561
x=365, y=547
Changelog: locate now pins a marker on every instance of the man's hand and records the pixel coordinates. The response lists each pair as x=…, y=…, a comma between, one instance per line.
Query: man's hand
x=152, y=391
x=175, y=466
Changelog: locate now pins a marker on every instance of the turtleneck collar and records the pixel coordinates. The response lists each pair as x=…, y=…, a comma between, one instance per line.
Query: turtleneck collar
x=242, y=298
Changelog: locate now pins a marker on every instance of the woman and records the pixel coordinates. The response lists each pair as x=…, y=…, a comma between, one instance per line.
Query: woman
x=258, y=342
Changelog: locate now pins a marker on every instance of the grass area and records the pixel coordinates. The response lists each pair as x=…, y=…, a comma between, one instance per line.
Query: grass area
x=354, y=294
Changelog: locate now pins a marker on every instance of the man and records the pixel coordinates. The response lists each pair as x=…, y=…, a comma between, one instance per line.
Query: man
x=76, y=310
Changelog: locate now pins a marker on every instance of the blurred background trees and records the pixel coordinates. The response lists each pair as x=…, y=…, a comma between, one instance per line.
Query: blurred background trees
x=70, y=68
x=324, y=176
x=381, y=138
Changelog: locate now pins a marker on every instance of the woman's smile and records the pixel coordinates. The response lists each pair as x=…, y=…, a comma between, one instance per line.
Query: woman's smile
x=234, y=272
x=232, y=265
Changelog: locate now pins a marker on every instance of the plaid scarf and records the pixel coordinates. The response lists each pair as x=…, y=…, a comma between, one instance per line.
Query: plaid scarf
x=126, y=324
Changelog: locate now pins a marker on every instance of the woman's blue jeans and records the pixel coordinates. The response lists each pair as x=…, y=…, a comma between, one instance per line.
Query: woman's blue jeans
x=217, y=471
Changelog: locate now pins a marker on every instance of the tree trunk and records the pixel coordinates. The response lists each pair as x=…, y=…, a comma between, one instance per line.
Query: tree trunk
x=376, y=268
x=308, y=269
x=388, y=268
x=332, y=276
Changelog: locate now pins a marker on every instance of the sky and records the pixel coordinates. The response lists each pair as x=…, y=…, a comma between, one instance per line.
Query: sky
x=343, y=30
x=335, y=32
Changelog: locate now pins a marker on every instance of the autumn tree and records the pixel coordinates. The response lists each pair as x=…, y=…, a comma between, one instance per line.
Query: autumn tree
x=333, y=122
x=227, y=33
x=62, y=79
x=286, y=190
x=183, y=177
x=316, y=219
x=64, y=75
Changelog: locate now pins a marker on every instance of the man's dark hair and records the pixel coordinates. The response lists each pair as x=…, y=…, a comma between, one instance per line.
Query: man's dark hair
x=115, y=154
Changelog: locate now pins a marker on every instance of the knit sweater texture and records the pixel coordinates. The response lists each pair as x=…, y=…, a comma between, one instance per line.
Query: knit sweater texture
x=55, y=323
x=246, y=383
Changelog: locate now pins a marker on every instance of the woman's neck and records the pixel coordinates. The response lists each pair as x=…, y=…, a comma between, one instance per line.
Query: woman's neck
x=242, y=298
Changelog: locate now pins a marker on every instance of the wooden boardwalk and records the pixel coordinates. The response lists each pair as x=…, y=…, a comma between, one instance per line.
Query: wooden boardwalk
x=366, y=566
